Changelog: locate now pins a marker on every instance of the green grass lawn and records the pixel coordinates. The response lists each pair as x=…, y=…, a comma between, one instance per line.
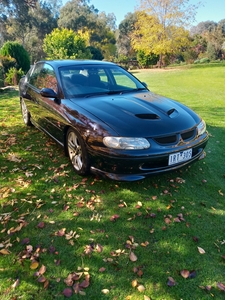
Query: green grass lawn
x=91, y=238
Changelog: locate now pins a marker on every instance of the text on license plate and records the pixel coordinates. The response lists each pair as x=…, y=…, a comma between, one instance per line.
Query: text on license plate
x=176, y=158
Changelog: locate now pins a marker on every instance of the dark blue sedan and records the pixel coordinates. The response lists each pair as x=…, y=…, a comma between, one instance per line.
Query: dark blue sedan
x=108, y=122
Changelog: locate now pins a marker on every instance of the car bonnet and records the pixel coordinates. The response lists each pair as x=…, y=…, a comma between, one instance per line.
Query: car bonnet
x=140, y=114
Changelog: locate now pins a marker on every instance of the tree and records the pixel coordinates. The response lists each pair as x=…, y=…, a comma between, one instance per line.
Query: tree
x=196, y=48
x=79, y=16
x=221, y=24
x=14, y=19
x=29, y=25
x=203, y=27
x=30, y=3
x=64, y=44
x=123, y=39
x=214, y=36
x=43, y=21
x=215, y=39
x=161, y=26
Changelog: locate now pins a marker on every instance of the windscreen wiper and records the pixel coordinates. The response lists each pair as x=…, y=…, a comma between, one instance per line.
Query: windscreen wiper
x=126, y=91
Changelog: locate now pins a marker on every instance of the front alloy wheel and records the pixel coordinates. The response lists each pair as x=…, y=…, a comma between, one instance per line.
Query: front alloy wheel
x=77, y=152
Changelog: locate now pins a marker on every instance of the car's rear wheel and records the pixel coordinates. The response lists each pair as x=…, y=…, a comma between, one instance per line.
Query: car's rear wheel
x=77, y=152
x=25, y=113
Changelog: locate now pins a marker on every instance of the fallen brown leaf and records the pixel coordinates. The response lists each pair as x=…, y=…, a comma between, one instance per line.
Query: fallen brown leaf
x=4, y=251
x=46, y=284
x=102, y=269
x=134, y=283
x=86, y=282
x=171, y=281
x=221, y=286
x=201, y=250
x=133, y=257
x=42, y=270
x=76, y=288
x=16, y=283
x=141, y=288
x=41, y=279
x=61, y=232
x=34, y=265
x=99, y=248
x=67, y=292
x=114, y=218
x=185, y=273
x=167, y=220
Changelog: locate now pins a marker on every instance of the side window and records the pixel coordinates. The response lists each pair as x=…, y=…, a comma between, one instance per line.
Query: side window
x=50, y=80
x=103, y=76
x=45, y=78
x=35, y=73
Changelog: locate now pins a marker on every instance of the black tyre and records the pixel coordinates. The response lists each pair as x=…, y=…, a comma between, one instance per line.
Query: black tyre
x=77, y=152
x=25, y=113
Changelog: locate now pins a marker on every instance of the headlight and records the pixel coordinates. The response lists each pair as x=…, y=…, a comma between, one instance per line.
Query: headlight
x=201, y=128
x=126, y=143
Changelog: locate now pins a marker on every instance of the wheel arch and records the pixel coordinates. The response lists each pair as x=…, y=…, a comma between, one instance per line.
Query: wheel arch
x=66, y=128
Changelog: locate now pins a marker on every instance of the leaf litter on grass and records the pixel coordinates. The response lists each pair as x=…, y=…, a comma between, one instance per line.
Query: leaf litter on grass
x=75, y=198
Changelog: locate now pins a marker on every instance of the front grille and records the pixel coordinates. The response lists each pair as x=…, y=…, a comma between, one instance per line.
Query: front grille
x=173, y=139
x=166, y=140
x=188, y=135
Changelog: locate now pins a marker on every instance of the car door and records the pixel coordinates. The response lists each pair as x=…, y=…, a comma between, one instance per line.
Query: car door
x=31, y=93
x=50, y=117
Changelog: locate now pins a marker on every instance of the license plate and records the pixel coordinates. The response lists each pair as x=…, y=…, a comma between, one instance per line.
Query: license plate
x=179, y=157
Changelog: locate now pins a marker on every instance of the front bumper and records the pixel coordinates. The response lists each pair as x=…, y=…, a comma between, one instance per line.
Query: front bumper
x=130, y=167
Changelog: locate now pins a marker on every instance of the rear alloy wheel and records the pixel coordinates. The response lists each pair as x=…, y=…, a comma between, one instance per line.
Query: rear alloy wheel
x=77, y=152
x=25, y=113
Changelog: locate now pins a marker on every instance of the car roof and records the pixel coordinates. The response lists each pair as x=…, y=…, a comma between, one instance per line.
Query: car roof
x=68, y=62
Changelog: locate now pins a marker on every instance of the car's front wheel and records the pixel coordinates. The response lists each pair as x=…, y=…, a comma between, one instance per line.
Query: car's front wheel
x=77, y=152
x=25, y=113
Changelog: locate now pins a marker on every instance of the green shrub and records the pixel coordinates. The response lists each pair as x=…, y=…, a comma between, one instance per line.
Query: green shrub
x=146, y=60
x=65, y=43
x=204, y=60
x=122, y=59
x=7, y=62
x=13, y=76
x=96, y=53
x=16, y=51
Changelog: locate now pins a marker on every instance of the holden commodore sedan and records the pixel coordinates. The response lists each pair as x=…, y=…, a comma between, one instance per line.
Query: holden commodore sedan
x=108, y=122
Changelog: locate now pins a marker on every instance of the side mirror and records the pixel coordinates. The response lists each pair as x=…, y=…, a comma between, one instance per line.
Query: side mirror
x=48, y=93
x=144, y=84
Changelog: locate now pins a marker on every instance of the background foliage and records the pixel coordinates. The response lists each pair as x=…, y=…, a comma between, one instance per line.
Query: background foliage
x=65, y=44
x=159, y=29
x=16, y=51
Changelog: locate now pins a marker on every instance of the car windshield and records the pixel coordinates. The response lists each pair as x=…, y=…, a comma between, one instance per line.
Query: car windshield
x=91, y=80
